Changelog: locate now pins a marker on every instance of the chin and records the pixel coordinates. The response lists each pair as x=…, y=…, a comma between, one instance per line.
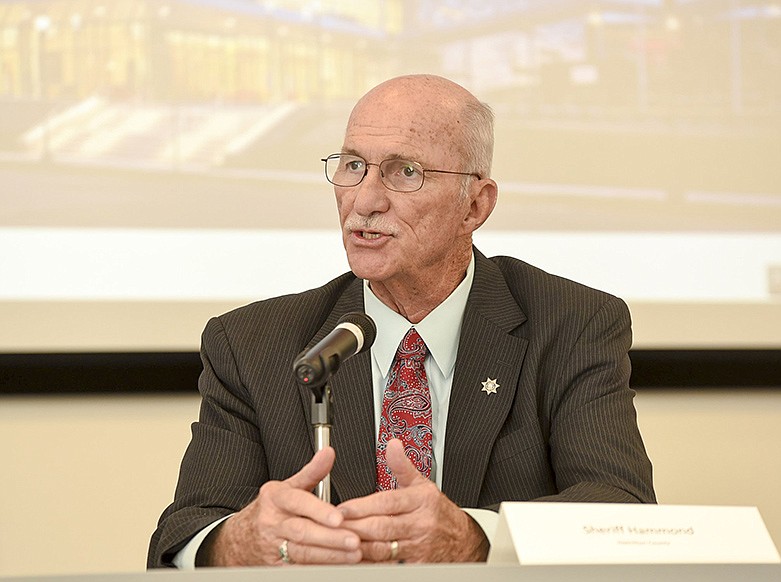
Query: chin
x=372, y=270
x=368, y=273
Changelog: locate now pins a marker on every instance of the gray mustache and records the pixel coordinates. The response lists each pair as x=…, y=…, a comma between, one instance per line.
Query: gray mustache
x=376, y=223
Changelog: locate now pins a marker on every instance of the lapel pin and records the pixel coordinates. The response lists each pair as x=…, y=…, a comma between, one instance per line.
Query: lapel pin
x=490, y=386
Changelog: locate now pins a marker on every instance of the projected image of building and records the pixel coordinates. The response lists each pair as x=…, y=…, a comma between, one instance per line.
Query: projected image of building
x=656, y=103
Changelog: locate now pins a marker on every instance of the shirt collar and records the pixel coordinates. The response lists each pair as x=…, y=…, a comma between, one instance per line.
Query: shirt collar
x=440, y=329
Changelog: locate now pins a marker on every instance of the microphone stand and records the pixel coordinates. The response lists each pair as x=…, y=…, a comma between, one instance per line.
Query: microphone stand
x=322, y=419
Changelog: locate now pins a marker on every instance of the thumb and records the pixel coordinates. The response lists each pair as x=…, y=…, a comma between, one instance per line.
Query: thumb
x=406, y=473
x=314, y=471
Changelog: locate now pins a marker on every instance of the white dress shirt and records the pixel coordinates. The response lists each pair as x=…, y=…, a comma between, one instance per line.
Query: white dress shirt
x=440, y=331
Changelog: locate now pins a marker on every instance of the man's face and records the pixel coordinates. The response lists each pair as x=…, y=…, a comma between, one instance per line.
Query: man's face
x=402, y=237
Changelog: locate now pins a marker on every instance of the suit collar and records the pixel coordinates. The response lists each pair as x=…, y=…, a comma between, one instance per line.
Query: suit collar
x=492, y=297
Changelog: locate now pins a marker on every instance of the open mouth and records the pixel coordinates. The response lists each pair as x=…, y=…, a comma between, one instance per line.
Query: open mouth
x=369, y=235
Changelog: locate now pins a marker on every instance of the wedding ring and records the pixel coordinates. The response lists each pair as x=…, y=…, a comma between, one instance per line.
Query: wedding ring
x=394, y=550
x=283, y=553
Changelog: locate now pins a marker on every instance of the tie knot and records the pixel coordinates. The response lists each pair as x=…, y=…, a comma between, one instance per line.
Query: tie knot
x=412, y=346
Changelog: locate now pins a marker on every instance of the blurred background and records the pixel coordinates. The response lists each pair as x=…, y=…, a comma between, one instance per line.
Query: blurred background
x=148, y=147
x=160, y=164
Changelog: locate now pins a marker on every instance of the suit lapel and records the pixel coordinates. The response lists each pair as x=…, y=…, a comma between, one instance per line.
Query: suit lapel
x=352, y=434
x=486, y=351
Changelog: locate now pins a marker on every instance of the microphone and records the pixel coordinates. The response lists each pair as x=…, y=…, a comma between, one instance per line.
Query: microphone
x=353, y=334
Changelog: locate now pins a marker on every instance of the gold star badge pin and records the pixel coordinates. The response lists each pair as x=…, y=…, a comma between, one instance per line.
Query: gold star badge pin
x=490, y=386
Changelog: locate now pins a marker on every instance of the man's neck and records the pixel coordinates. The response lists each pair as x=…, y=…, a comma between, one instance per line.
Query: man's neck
x=415, y=299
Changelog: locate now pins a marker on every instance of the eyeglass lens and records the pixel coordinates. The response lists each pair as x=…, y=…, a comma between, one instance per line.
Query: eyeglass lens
x=399, y=175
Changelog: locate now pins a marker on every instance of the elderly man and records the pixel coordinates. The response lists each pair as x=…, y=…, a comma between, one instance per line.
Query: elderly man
x=520, y=391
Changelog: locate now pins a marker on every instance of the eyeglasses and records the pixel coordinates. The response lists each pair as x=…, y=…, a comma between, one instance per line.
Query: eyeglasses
x=398, y=175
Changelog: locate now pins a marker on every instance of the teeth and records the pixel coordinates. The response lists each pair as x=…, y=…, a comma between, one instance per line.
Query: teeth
x=370, y=235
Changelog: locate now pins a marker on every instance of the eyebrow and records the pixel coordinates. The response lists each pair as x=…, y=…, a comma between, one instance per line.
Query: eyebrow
x=353, y=152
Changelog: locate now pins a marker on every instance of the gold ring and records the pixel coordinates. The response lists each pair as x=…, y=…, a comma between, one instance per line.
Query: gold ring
x=283, y=553
x=394, y=550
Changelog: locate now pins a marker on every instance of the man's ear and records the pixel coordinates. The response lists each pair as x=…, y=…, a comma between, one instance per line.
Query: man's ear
x=482, y=200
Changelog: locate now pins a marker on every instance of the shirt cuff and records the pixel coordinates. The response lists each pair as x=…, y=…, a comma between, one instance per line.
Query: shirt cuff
x=486, y=519
x=185, y=558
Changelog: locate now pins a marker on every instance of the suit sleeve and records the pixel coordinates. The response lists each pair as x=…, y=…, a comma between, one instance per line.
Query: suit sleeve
x=596, y=450
x=224, y=464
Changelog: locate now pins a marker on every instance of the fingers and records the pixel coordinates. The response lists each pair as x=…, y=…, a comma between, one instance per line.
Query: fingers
x=377, y=527
x=287, y=523
x=296, y=498
x=281, y=513
x=304, y=532
x=298, y=503
x=406, y=473
x=382, y=504
x=314, y=471
x=403, y=500
x=384, y=551
x=311, y=528
x=311, y=543
x=311, y=554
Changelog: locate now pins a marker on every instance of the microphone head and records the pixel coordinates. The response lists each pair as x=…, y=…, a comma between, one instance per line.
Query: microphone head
x=353, y=334
x=365, y=324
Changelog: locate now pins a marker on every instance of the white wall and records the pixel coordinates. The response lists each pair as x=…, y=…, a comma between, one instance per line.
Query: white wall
x=84, y=478
x=716, y=447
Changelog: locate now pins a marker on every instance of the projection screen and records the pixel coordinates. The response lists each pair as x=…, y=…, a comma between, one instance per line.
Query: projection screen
x=150, y=150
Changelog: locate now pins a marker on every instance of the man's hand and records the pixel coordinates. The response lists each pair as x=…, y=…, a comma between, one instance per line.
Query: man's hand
x=285, y=510
x=426, y=525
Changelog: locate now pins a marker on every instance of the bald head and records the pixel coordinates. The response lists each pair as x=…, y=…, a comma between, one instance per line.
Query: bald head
x=423, y=90
x=433, y=110
x=414, y=245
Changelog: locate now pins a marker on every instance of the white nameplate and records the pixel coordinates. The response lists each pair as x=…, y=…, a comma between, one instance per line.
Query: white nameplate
x=618, y=533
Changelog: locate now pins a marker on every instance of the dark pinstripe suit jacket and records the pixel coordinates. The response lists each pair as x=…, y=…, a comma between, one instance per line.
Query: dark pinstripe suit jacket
x=561, y=426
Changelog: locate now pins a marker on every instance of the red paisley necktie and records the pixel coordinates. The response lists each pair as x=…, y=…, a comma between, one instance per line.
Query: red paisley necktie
x=406, y=410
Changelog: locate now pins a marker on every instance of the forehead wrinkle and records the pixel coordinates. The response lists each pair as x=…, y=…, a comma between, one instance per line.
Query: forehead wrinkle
x=397, y=151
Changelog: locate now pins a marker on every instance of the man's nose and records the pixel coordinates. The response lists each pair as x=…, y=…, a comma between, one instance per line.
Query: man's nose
x=379, y=175
x=371, y=194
